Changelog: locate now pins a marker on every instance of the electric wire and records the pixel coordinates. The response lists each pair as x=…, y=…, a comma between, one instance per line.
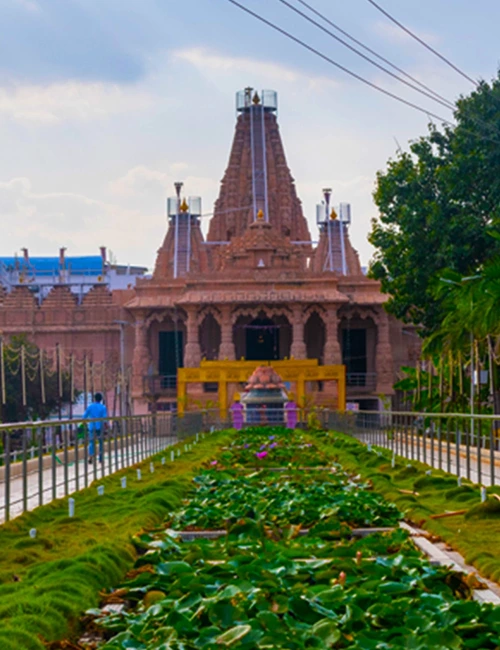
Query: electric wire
x=444, y=102
x=422, y=42
x=338, y=65
x=371, y=84
x=369, y=49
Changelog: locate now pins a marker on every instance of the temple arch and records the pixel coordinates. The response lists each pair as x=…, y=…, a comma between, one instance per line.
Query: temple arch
x=167, y=341
x=314, y=335
x=358, y=337
x=210, y=337
x=262, y=336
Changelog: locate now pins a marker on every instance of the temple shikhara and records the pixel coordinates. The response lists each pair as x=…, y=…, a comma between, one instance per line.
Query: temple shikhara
x=254, y=289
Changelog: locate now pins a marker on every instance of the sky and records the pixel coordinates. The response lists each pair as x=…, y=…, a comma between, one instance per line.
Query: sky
x=105, y=103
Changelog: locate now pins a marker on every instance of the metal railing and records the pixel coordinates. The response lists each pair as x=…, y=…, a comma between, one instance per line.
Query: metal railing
x=43, y=461
x=366, y=380
x=160, y=385
x=211, y=420
x=462, y=444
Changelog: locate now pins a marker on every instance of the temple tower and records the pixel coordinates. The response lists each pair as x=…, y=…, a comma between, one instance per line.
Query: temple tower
x=182, y=251
x=257, y=179
x=334, y=253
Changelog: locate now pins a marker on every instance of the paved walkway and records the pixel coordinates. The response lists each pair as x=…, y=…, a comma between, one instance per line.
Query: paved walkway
x=486, y=472
x=62, y=480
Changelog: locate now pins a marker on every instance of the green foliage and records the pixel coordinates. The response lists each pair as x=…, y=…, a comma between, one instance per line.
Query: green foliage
x=436, y=205
x=287, y=496
x=298, y=593
x=264, y=585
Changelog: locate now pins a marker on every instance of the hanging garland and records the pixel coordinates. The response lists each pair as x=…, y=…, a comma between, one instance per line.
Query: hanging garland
x=31, y=364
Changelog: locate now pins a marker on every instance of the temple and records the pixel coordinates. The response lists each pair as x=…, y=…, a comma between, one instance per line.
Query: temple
x=256, y=288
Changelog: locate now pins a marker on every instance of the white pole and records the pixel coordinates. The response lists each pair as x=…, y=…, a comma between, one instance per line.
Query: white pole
x=178, y=188
x=342, y=245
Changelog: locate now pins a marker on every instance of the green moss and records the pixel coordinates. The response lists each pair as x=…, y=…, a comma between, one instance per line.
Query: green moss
x=16, y=639
x=490, y=509
x=462, y=493
x=438, y=482
x=477, y=555
x=406, y=472
x=36, y=625
x=378, y=476
x=34, y=543
x=373, y=461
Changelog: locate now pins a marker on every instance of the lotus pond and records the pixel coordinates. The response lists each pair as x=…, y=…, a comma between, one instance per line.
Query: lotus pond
x=264, y=584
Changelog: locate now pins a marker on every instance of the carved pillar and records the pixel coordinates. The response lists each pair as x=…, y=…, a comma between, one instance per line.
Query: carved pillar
x=141, y=360
x=226, y=350
x=192, y=352
x=383, y=360
x=333, y=353
x=298, y=349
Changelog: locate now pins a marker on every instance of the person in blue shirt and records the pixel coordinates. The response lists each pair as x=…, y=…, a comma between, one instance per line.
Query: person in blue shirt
x=94, y=411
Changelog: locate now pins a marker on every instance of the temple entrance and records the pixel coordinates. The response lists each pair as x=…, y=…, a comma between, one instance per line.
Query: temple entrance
x=354, y=356
x=170, y=353
x=262, y=340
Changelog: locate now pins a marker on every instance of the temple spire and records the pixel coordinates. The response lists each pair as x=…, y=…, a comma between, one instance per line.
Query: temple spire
x=334, y=252
x=257, y=177
x=182, y=251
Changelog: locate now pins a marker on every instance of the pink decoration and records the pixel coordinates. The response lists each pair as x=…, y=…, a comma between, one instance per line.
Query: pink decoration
x=237, y=415
x=291, y=414
x=261, y=454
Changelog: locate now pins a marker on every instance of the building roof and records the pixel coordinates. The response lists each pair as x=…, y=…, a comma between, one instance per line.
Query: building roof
x=82, y=265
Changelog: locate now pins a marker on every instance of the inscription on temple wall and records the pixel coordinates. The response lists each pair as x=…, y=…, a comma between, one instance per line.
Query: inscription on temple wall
x=262, y=296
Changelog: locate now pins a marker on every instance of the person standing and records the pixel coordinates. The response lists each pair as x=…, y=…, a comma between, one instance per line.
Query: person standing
x=237, y=412
x=95, y=411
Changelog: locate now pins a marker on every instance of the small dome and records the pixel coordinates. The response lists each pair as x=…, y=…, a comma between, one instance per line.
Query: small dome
x=264, y=378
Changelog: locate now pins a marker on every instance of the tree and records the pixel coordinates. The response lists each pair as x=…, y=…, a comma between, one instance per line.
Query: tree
x=437, y=203
x=35, y=408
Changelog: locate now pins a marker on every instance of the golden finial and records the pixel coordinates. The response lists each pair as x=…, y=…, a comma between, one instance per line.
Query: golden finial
x=333, y=214
x=260, y=214
x=256, y=99
x=184, y=207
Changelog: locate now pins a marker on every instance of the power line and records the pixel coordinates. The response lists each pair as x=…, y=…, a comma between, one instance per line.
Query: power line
x=431, y=95
x=338, y=65
x=369, y=49
x=422, y=42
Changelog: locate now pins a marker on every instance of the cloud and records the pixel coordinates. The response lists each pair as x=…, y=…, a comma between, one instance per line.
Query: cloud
x=209, y=61
x=72, y=100
x=142, y=180
x=46, y=221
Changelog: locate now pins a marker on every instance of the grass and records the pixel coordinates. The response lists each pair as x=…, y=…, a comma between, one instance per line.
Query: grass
x=47, y=582
x=476, y=534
